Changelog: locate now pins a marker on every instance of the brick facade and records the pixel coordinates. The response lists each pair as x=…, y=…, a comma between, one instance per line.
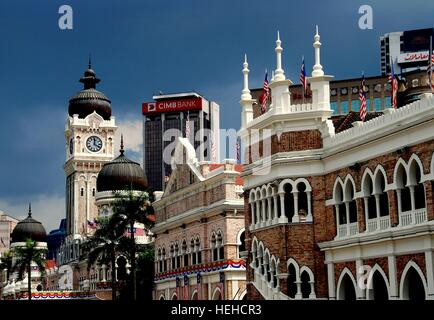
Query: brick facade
x=212, y=196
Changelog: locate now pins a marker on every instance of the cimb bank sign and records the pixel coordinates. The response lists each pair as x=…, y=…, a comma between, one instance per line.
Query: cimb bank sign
x=172, y=105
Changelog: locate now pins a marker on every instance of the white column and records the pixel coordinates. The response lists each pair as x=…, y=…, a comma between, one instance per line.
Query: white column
x=252, y=207
x=312, y=294
x=331, y=280
x=264, y=213
x=413, y=202
x=295, y=217
x=377, y=204
x=258, y=214
x=298, y=295
x=270, y=213
x=309, y=217
x=429, y=263
x=366, y=201
x=347, y=214
x=104, y=275
x=276, y=212
x=337, y=219
x=393, y=279
x=359, y=292
x=282, y=218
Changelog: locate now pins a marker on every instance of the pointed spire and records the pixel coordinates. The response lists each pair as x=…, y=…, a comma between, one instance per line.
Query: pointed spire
x=317, y=68
x=279, y=74
x=245, y=93
x=30, y=209
x=122, y=151
x=89, y=79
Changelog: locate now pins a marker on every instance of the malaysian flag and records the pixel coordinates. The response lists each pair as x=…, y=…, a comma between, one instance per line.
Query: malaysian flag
x=238, y=150
x=303, y=79
x=394, y=82
x=265, y=94
x=430, y=65
x=362, y=97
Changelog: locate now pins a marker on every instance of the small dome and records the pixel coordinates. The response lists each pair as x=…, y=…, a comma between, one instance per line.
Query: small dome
x=121, y=174
x=29, y=228
x=89, y=73
x=88, y=100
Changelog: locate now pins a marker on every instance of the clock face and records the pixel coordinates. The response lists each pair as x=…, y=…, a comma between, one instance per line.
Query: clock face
x=94, y=143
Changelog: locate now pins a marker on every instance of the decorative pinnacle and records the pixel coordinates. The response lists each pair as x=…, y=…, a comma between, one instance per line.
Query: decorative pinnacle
x=245, y=64
x=30, y=209
x=279, y=73
x=122, y=145
x=317, y=68
x=245, y=93
x=90, y=62
x=316, y=37
x=278, y=42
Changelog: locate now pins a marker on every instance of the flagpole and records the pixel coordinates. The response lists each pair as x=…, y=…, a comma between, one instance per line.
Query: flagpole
x=302, y=85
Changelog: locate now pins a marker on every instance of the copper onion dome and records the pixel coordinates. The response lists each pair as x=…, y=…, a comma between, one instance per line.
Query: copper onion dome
x=88, y=100
x=121, y=174
x=29, y=228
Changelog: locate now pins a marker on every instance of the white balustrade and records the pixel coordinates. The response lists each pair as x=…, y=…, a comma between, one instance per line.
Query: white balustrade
x=342, y=230
x=381, y=223
x=353, y=228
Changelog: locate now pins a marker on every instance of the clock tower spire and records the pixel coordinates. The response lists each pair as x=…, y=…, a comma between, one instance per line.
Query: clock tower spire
x=89, y=135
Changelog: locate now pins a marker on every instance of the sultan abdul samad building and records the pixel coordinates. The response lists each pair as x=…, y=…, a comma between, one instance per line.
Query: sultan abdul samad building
x=330, y=205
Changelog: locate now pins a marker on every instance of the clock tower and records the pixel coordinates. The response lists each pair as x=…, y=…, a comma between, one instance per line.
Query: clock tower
x=89, y=135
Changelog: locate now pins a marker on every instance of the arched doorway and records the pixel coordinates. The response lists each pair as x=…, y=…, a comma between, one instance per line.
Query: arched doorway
x=305, y=285
x=377, y=289
x=194, y=296
x=121, y=270
x=291, y=281
x=413, y=287
x=346, y=289
x=217, y=294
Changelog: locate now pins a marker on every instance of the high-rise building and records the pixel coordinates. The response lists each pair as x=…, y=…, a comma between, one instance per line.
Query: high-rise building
x=408, y=50
x=165, y=119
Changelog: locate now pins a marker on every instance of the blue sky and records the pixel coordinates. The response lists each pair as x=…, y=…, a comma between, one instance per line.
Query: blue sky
x=140, y=47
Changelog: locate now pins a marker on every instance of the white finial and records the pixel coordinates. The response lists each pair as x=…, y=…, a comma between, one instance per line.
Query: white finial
x=316, y=28
x=245, y=93
x=317, y=68
x=279, y=74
